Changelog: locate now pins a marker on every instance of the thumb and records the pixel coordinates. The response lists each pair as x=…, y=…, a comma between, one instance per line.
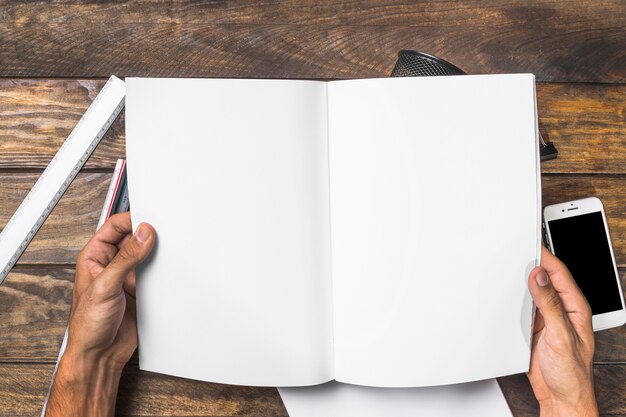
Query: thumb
x=134, y=251
x=547, y=299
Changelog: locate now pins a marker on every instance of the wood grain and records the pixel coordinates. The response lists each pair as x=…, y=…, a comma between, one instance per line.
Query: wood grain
x=35, y=306
x=74, y=220
x=34, y=310
x=36, y=116
x=23, y=387
x=458, y=13
x=343, y=39
x=146, y=393
x=558, y=40
x=586, y=123
x=70, y=225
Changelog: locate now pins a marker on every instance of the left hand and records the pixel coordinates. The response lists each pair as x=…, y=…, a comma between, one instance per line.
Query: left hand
x=103, y=324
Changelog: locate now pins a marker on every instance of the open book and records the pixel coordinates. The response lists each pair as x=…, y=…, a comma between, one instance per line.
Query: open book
x=377, y=232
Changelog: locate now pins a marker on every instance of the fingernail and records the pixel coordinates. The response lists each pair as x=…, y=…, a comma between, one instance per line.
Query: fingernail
x=542, y=278
x=142, y=233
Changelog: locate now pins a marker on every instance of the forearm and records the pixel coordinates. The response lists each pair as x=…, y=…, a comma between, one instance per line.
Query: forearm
x=83, y=387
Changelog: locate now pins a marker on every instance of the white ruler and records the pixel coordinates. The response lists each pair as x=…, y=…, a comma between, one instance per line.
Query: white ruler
x=60, y=173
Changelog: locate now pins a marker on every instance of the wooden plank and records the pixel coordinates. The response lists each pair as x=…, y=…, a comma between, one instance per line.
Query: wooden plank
x=146, y=393
x=73, y=221
x=36, y=305
x=23, y=386
x=586, y=123
x=35, y=309
x=70, y=225
x=580, y=44
x=610, y=383
x=36, y=116
x=460, y=13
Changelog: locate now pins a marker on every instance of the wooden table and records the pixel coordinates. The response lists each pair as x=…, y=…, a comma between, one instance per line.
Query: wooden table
x=54, y=58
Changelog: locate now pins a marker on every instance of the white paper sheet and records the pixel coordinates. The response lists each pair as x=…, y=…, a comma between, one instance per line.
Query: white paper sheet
x=475, y=399
x=233, y=175
x=435, y=218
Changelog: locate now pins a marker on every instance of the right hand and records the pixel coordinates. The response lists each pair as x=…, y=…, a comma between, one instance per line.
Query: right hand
x=103, y=327
x=561, y=365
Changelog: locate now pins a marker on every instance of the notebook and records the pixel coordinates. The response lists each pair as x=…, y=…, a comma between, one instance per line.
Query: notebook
x=376, y=232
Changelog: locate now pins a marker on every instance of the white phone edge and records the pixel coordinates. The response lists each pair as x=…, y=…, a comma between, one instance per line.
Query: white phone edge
x=588, y=205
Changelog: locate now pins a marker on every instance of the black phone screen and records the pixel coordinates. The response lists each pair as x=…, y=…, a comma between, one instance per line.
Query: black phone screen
x=582, y=244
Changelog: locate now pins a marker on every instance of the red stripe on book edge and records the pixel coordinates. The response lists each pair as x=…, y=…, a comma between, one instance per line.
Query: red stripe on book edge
x=117, y=184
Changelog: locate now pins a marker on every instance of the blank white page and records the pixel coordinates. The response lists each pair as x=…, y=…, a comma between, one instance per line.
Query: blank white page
x=435, y=223
x=233, y=175
x=333, y=399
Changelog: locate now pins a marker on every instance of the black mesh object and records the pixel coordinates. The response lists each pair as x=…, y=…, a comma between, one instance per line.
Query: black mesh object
x=419, y=64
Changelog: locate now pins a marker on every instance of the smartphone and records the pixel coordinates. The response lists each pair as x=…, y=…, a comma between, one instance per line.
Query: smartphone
x=577, y=233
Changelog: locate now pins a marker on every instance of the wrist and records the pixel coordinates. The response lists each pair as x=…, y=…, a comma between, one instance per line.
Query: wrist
x=84, y=386
x=584, y=407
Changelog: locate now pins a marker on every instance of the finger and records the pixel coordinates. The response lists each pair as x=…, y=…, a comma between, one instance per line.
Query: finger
x=94, y=254
x=547, y=300
x=114, y=229
x=572, y=297
x=100, y=254
x=123, y=242
x=134, y=251
x=101, y=248
x=91, y=261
